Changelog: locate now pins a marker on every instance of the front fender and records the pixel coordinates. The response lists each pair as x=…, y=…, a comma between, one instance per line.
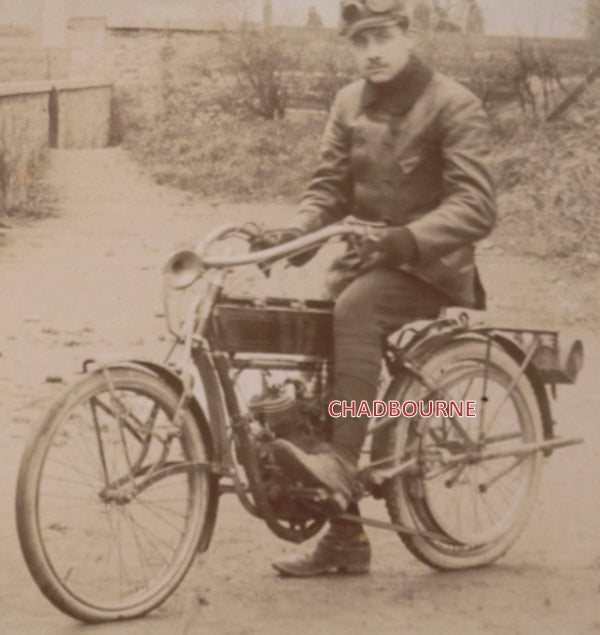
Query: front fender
x=206, y=433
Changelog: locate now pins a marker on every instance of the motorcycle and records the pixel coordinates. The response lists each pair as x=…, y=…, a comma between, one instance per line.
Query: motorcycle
x=119, y=487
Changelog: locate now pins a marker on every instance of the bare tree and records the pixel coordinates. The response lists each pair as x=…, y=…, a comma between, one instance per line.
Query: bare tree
x=259, y=71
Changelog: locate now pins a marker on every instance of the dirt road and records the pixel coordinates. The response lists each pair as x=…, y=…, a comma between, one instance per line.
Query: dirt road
x=89, y=280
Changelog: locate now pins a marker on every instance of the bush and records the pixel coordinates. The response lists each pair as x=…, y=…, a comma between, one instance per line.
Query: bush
x=256, y=76
x=549, y=185
x=265, y=72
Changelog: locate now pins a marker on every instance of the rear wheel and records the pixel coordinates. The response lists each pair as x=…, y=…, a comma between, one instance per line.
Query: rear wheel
x=477, y=503
x=111, y=502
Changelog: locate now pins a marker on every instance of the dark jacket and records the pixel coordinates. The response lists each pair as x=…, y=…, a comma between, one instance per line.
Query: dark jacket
x=411, y=152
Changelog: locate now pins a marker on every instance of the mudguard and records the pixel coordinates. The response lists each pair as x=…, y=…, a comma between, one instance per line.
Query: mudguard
x=175, y=383
x=442, y=333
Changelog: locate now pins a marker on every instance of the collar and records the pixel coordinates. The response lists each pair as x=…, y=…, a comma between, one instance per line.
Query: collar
x=399, y=94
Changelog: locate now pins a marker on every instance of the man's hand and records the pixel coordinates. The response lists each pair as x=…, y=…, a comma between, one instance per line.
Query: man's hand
x=275, y=237
x=392, y=247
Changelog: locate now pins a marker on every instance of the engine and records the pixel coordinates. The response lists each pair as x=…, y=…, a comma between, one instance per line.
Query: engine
x=277, y=411
x=291, y=409
x=294, y=410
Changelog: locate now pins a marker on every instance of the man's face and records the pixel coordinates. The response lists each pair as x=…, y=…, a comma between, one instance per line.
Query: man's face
x=381, y=52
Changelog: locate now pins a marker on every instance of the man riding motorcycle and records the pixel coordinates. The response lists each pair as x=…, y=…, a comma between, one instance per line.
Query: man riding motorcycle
x=406, y=146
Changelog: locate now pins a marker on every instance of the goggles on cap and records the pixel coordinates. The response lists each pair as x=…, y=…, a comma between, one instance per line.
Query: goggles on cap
x=356, y=7
x=380, y=6
x=357, y=13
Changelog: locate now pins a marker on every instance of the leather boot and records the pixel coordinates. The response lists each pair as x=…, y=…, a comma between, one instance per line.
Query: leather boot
x=321, y=465
x=341, y=550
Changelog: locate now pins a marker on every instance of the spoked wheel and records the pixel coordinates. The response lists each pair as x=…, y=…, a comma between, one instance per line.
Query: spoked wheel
x=474, y=484
x=111, y=502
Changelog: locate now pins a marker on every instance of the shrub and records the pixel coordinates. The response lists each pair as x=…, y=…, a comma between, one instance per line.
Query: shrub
x=549, y=185
x=257, y=71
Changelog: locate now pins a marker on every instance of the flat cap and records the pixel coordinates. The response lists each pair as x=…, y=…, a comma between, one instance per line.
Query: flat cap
x=356, y=15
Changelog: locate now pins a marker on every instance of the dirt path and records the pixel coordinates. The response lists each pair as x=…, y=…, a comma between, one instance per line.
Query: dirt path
x=89, y=280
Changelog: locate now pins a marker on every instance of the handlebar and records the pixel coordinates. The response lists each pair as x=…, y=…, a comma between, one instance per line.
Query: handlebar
x=291, y=248
x=351, y=226
x=184, y=267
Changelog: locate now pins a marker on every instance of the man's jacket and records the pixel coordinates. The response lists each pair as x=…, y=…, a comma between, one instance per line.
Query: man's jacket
x=412, y=153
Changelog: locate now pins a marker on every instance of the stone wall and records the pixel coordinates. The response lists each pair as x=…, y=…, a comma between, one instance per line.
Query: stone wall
x=143, y=63
x=86, y=43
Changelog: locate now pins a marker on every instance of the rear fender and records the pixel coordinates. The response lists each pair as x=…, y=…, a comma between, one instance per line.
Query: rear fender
x=535, y=379
x=436, y=341
x=175, y=383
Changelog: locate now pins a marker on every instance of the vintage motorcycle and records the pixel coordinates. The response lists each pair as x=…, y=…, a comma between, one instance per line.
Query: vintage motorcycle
x=119, y=487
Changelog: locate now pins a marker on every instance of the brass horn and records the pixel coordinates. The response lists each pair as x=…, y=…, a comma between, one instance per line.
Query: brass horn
x=183, y=269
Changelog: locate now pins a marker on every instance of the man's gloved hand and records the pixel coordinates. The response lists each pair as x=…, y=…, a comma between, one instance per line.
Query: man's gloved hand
x=275, y=237
x=391, y=248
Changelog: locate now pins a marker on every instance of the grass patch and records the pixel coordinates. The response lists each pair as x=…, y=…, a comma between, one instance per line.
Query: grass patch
x=548, y=181
x=41, y=202
x=224, y=156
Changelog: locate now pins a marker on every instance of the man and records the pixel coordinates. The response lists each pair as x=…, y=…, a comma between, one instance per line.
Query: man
x=405, y=146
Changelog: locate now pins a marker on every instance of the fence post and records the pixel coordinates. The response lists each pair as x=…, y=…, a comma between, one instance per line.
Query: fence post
x=53, y=117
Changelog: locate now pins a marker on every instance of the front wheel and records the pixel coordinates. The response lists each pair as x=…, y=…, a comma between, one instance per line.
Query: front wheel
x=472, y=486
x=111, y=498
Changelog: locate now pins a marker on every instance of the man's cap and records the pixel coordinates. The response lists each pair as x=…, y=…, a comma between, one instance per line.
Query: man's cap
x=356, y=15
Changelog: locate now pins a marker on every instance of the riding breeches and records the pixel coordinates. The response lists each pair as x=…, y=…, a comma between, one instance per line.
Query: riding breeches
x=371, y=307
